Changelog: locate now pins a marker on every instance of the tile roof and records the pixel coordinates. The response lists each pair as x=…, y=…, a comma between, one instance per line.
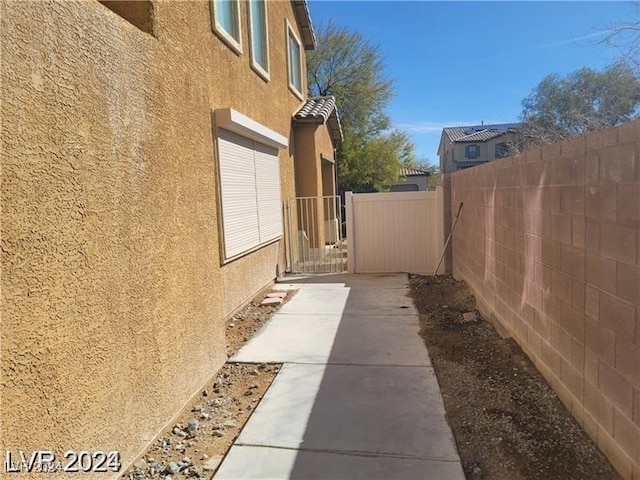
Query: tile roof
x=317, y=107
x=412, y=172
x=478, y=133
x=321, y=110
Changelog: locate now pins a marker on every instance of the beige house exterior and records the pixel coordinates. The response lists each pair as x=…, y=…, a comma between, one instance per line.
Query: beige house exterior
x=318, y=133
x=124, y=126
x=464, y=147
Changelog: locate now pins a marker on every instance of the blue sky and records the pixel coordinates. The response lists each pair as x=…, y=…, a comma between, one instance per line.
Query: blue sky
x=460, y=63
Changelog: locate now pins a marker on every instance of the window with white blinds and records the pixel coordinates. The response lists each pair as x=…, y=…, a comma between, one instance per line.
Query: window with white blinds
x=250, y=193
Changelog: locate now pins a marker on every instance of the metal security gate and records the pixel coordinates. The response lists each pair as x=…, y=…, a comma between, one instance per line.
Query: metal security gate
x=316, y=242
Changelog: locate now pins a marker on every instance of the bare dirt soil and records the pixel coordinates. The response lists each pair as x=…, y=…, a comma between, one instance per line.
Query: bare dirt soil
x=507, y=421
x=194, y=445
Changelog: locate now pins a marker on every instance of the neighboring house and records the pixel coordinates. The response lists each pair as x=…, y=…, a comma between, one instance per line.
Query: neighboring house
x=411, y=179
x=148, y=147
x=464, y=147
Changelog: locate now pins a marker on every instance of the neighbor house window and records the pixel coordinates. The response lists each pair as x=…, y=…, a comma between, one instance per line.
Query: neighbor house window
x=226, y=22
x=295, y=61
x=502, y=150
x=259, y=40
x=472, y=151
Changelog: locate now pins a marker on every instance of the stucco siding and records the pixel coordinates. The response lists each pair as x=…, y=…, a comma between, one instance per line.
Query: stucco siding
x=113, y=294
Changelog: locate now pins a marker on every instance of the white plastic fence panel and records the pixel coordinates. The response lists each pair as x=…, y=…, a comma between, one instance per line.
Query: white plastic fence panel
x=395, y=232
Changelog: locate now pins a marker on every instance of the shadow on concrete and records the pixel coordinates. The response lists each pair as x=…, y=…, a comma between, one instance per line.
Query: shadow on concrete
x=370, y=409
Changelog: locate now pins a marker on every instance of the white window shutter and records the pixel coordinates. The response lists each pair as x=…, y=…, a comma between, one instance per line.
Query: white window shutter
x=268, y=188
x=238, y=192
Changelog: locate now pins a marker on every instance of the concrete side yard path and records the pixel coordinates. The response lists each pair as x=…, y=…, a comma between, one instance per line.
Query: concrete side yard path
x=356, y=398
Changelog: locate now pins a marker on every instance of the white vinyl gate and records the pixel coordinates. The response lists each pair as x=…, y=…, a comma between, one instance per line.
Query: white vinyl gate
x=394, y=232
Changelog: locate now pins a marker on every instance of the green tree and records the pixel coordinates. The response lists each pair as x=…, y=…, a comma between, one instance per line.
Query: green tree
x=582, y=102
x=346, y=66
x=373, y=163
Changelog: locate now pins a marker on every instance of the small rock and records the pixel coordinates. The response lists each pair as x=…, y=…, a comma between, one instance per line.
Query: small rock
x=477, y=471
x=470, y=316
x=205, y=416
x=205, y=393
x=192, y=426
x=186, y=460
x=230, y=423
x=172, y=468
x=197, y=408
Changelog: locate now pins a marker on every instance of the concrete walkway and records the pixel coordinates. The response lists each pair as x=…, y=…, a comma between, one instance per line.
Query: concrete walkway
x=356, y=397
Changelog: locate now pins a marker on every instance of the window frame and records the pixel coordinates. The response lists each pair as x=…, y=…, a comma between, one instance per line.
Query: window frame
x=291, y=33
x=221, y=32
x=259, y=69
x=467, y=149
x=506, y=150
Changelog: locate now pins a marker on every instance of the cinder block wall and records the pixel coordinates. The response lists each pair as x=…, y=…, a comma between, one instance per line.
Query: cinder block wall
x=549, y=241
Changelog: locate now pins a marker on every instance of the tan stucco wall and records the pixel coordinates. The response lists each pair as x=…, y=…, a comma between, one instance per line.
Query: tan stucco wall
x=312, y=142
x=323, y=142
x=307, y=165
x=112, y=290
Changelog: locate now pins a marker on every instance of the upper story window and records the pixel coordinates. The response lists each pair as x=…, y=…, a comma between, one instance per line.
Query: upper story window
x=259, y=37
x=502, y=150
x=294, y=50
x=472, y=152
x=226, y=22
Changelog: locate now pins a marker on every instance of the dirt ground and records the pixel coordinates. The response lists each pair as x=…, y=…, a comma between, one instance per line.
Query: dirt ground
x=190, y=450
x=508, y=423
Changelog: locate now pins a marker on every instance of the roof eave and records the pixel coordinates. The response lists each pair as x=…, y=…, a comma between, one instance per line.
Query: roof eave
x=335, y=128
x=301, y=9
